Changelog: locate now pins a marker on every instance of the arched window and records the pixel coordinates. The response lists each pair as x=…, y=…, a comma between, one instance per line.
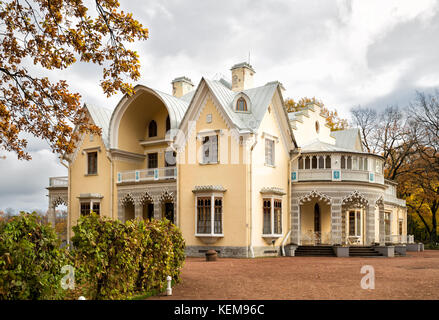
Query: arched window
x=241, y=105
x=307, y=163
x=300, y=163
x=328, y=162
x=168, y=124
x=314, y=162
x=152, y=129
x=321, y=162
x=343, y=162
x=349, y=164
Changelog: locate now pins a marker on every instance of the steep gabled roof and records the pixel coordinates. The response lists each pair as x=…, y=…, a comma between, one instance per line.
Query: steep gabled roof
x=101, y=118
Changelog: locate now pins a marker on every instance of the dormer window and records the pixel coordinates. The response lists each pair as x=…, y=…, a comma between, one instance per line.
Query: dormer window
x=152, y=129
x=241, y=105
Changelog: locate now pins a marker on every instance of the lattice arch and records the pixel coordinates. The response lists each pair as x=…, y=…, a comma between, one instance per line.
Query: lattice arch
x=315, y=195
x=146, y=198
x=166, y=196
x=355, y=199
x=58, y=201
x=126, y=199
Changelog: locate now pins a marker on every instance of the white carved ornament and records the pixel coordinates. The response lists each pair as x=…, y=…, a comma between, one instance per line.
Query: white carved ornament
x=315, y=195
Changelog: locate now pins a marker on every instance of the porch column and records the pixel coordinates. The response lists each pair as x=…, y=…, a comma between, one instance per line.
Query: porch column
x=138, y=210
x=336, y=221
x=382, y=226
x=370, y=224
x=295, y=222
x=157, y=209
x=51, y=215
x=120, y=211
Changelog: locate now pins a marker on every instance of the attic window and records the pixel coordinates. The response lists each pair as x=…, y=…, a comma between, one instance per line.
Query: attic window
x=317, y=127
x=241, y=105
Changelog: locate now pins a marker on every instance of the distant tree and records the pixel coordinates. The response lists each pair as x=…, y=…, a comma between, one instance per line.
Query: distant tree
x=332, y=118
x=388, y=133
x=54, y=35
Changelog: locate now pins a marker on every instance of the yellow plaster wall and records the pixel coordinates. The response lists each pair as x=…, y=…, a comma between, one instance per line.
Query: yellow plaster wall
x=268, y=176
x=79, y=182
x=231, y=176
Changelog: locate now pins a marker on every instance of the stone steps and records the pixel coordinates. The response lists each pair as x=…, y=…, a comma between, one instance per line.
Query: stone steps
x=314, y=251
x=363, y=252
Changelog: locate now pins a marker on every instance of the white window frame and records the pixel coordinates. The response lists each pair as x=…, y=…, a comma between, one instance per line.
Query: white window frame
x=273, y=152
x=272, y=198
x=212, y=197
x=210, y=133
x=91, y=202
x=358, y=231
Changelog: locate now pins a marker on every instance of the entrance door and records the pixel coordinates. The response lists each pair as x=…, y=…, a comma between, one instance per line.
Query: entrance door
x=317, y=225
x=169, y=211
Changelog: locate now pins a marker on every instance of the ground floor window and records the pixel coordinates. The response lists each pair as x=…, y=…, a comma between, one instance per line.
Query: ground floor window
x=272, y=216
x=209, y=215
x=387, y=222
x=87, y=206
x=355, y=223
x=400, y=227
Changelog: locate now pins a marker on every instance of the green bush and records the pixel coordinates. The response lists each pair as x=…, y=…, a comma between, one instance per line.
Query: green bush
x=30, y=259
x=113, y=260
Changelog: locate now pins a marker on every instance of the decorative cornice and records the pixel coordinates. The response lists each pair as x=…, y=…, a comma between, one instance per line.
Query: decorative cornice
x=273, y=190
x=209, y=188
x=118, y=154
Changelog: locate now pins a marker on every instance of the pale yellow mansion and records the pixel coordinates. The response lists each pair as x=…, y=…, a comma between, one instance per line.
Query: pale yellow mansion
x=232, y=169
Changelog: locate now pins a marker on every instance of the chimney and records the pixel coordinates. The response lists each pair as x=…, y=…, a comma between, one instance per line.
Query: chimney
x=181, y=86
x=242, y=76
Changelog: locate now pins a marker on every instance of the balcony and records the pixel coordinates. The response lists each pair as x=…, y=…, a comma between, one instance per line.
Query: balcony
x=58, y=182
x=337, y=175
x=147, y=175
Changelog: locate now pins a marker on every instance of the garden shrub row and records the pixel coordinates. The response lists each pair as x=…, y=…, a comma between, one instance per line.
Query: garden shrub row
x=111, y=259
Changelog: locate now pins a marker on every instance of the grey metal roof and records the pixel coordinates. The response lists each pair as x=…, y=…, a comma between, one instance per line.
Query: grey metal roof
x=176, y=107
x=347, y=138
x=260, y=98
x=209, y=188
x=101, y=118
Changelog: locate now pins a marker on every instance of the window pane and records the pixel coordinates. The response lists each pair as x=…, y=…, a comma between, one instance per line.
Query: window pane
x=300, y=163
x=277, y=217
x=92, y=159
x=96, y=207
x=152, y=129
x=203, y=215
x=267, y=216
x=321, y=162
x=152, y=161
x=85, y=208
x=349, y=166
x=269, y=152
x=307, y=163
x=358, y=223
x=314, y=162
x=343, y=162
x=218, y=227
x=352, y=223
x=328, y=162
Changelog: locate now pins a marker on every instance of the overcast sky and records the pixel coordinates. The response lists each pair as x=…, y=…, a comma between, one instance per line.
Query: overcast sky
x=346, y=53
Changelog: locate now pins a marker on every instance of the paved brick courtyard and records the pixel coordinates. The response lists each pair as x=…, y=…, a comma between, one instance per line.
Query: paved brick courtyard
x=415, y=276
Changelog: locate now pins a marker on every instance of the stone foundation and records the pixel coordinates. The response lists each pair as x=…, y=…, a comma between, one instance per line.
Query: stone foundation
x=233, y=252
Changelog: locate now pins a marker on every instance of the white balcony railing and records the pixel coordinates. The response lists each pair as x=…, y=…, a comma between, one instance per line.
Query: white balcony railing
x=58, y=182
x=343, y=175
x=143, y=175
x=397, y=238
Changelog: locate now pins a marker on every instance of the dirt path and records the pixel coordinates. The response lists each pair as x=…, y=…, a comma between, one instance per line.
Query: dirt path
x=415, y=276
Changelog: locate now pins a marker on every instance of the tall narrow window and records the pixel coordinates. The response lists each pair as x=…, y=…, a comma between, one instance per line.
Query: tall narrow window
x=203, y=215
x=96, y=208
x=328, y=162
x=300, y=163
x=360, y=165
x=241, y=105
x=92, y=163
x=267, y=216
x=349, y=162
x=343, y=162
x=352, y=223
x=269, y=152
x=307, y=163
x=314, y=162
x=321, y=162
x=168, y=124
x=277, y=217
x=152, y=129
x=152, y=163
x=400, y=227
x=387, y=223
x=365, y=164
x=210, y=149
x=218, y=226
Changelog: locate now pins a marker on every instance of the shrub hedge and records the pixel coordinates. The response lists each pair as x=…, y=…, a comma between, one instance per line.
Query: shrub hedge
x=115, y=260
x=112, y=260
x=30, y=259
